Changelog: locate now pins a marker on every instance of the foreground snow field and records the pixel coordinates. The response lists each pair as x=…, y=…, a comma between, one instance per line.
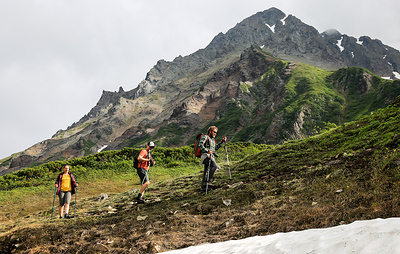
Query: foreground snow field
x=372, y=236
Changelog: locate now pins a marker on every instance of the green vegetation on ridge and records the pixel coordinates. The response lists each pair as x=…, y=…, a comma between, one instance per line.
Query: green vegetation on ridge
x=318, y=96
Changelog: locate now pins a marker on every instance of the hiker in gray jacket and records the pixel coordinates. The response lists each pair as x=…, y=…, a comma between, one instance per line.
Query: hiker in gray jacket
x=208, y=147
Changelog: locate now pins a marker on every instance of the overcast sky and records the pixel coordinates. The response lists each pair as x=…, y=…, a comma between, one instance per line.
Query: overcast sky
x=57, y=56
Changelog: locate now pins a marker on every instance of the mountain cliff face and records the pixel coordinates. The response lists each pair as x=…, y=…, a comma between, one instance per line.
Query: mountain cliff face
x=268, y=79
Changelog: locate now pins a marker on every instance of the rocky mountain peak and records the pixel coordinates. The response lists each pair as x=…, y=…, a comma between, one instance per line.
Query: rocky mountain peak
x=332, y=32
x=216, y=83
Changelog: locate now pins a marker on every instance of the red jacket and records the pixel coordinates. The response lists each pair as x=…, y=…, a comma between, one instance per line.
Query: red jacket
x=59, y=180
x=145, y=154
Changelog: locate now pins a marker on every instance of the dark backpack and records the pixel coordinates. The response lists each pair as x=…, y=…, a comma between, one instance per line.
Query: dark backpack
x=136, y=162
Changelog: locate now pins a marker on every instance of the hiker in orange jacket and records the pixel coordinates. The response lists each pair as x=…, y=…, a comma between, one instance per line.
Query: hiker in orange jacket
x=65, y=184
x=145, y=160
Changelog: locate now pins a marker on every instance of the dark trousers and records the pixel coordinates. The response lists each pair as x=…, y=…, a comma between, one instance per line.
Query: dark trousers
x=213, y=166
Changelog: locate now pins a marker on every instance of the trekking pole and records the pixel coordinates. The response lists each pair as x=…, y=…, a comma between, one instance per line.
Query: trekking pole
x=151, y=170
x=54, y=198
x=144, y=178
x=208, y=173
x=227, y=160
x=76, y=193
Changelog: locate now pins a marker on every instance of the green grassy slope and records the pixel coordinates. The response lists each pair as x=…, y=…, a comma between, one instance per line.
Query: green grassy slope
x=348, y=173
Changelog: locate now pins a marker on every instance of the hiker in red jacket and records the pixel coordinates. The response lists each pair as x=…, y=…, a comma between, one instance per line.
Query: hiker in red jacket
x=65, y=185
x=145, y=160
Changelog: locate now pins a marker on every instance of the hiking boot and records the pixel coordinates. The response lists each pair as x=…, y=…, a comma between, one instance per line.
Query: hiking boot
x=66, y=216
x=140, y=200
x=211, y=186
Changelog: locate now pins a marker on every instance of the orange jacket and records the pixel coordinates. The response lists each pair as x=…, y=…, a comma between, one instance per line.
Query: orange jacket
x=145, y=154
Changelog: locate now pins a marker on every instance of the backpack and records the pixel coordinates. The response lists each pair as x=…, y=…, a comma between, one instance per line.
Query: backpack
x=136, y=162
x=197, y=150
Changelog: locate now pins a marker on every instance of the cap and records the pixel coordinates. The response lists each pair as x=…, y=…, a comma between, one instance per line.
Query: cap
x=151, y=144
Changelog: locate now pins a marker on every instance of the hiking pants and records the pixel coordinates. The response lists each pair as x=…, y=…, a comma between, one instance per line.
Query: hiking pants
x=213, y=167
